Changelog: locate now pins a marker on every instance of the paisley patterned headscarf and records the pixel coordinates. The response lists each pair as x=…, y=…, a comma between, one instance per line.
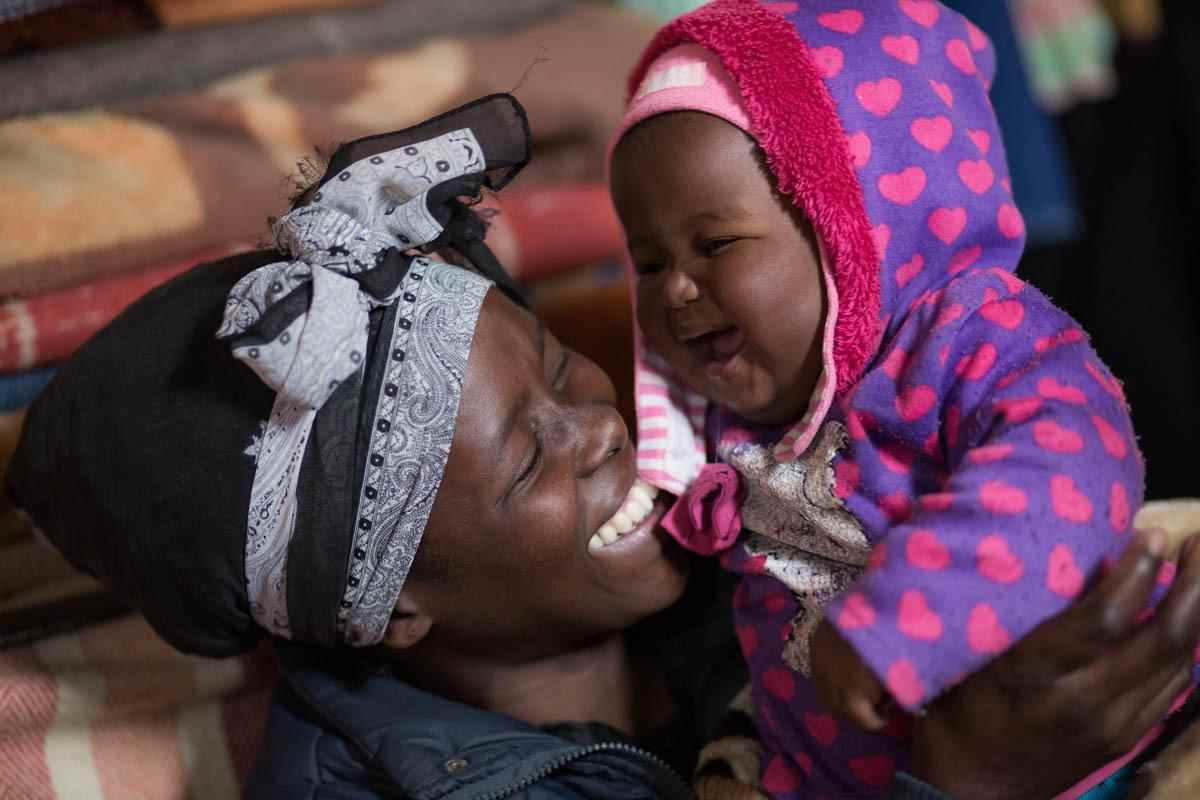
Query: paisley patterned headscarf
x=290, y=497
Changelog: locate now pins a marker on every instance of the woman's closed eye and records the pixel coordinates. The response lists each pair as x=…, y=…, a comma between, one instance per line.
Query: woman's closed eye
x=561, y=371
x=533, y=462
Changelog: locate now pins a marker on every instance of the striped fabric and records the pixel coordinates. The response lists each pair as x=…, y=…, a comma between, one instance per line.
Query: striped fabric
x=112, y=713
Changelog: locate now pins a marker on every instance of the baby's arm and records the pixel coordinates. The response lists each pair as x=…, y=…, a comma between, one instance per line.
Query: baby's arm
x=1043, y=478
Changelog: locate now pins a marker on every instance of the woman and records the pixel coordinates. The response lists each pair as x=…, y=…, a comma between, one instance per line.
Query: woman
x=403, y=478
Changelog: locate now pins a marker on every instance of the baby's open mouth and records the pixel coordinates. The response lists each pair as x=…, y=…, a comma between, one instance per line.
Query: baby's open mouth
x=717, y=347
x=637, y=506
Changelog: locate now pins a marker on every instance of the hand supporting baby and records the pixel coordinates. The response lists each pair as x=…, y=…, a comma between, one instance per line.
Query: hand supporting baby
x=846, y=684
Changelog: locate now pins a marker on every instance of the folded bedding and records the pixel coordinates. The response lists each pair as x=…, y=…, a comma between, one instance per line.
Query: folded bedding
x=536, y=232
x=132, y=67
x=111, y=713
x=95, y=193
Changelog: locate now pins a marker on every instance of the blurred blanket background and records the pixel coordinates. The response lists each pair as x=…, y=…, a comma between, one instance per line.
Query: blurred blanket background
x=139, y=139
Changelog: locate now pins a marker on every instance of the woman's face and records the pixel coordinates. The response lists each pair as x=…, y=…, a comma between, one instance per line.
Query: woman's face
x=516, y=557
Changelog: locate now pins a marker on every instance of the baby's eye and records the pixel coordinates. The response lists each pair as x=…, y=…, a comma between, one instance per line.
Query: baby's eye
x=712, y=247
x=647, y=268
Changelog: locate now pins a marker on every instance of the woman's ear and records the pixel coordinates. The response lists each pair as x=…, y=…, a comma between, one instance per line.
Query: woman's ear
x=408, y=625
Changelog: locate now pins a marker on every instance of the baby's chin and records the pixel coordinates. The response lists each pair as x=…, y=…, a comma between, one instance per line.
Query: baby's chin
x=758, y=399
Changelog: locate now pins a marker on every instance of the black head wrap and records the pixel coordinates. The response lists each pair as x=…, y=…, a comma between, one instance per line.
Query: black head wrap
x=255, y=445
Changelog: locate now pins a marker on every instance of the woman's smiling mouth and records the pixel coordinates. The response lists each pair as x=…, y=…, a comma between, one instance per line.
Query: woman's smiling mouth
x=635, y=509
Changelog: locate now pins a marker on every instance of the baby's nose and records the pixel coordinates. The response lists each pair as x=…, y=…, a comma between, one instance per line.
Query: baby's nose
x=680, y=289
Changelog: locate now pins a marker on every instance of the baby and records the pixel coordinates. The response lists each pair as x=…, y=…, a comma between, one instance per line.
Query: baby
x=919, y=458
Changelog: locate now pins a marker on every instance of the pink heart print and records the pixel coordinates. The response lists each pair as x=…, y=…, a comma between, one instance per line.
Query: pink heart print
x=996, y=562
x=943, y=91
x=779, y=778
x=1019, y=409
x=937, y=501
x=932, y=133
x=848, y=21
x=977, y=365
x=879, y=97
x=982, y=140
x=848, y=476
x=1063, y=576
x=947, y=223
x=893, y=364
x=948, y=315
x=917, y=619
x=860, y=148
x=856, y=612
x=1110, y=437
x=1109, y=384
x=926, y=551
x=977, y=37
x=922, y=12
x=977, y=175
x=960, y=56
x=878, y=557
x=1010, y=221
x=904, y=683
x=775, y=603
x=1118, y=507
x=858, y=423
x=903, y=187
x=902, y=48
x=829, y=61
x=985, y=634
x=1002, y=498
x=780, y=683
x=748, y=639
x=1068, y=501
x=882, y=234
x=914, y=402
x=823, y=727
x=873, y=770
x=1051, y=389
x=909, y=270
x=1068, y=336
x=896, y=506
x=897, y=457
x=964, y=258
x=1008, y=314
x=1011, y=282
x=1054, y=438
x=990, y=453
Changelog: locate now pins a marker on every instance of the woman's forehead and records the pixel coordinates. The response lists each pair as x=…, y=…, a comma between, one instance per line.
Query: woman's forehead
x=505, y=360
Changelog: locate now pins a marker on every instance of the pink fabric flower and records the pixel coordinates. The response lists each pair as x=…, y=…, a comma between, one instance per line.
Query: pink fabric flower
x=707, y=518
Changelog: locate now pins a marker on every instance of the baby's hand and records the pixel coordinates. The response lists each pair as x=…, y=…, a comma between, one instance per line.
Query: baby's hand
x=847, y=685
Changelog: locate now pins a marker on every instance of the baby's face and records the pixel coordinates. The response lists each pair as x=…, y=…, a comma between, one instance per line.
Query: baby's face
x=729, y=287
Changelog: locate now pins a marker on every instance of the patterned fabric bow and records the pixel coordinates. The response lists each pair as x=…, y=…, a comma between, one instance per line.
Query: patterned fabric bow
x=302, y=325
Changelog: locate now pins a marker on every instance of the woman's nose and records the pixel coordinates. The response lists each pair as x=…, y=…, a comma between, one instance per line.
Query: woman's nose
x=600, y=435
x=680, y=289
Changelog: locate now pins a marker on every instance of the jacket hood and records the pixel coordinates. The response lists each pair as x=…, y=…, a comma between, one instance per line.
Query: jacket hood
x=875, y=121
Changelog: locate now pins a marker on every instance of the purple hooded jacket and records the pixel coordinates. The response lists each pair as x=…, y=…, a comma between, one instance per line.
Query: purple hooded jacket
x=988, y=461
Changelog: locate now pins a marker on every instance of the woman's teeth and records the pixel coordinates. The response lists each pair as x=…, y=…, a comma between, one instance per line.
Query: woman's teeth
x=636, y=507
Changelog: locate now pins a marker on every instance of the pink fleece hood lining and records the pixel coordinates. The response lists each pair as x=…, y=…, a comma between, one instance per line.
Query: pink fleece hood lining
x=794, y=120
x=775, y=93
